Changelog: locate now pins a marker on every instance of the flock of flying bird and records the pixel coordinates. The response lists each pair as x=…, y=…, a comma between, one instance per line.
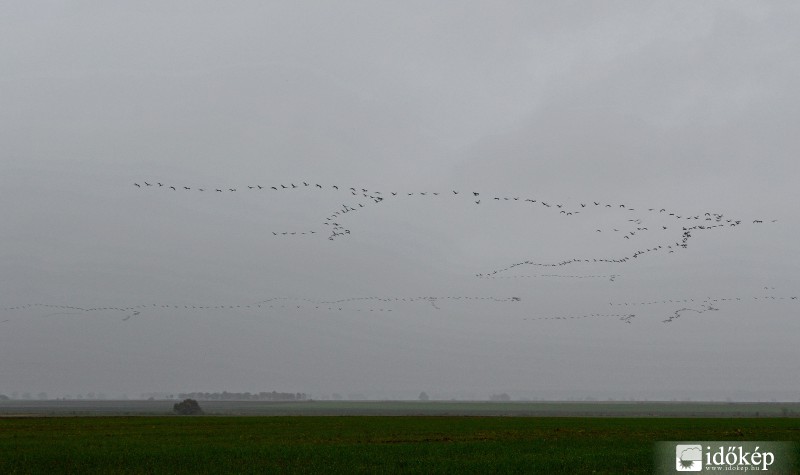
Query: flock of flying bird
x=272, y=303
x=706, y=304
x=699, y=306
x=633, y=226
x=684, y=226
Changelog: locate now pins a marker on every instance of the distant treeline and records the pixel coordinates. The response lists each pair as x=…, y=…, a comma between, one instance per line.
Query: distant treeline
x=247, y=396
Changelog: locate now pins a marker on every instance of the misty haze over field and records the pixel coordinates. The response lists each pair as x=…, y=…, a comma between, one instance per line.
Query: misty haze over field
x=545, y=199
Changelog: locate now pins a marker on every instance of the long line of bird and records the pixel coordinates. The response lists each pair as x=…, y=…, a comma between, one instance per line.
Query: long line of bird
x=610, y=277
x=677, y=313
x=698, y=306
x=670, y=248
x=367, y=198
x=703, y=305
x=624, y=317
x=271, y=303
x=704, y=300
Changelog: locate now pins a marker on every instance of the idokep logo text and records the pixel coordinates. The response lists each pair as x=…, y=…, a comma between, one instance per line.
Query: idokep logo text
x=725, y=456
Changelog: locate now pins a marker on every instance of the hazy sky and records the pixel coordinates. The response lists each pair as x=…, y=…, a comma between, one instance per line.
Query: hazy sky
x=689, y=107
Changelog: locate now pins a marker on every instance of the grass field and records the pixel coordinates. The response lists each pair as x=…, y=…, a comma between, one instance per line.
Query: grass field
x=342, y=444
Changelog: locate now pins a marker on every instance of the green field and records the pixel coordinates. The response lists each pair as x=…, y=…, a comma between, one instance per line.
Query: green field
x=343, y=444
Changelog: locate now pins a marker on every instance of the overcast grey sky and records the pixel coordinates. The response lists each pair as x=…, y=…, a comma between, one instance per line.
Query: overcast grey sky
x=689, y=107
